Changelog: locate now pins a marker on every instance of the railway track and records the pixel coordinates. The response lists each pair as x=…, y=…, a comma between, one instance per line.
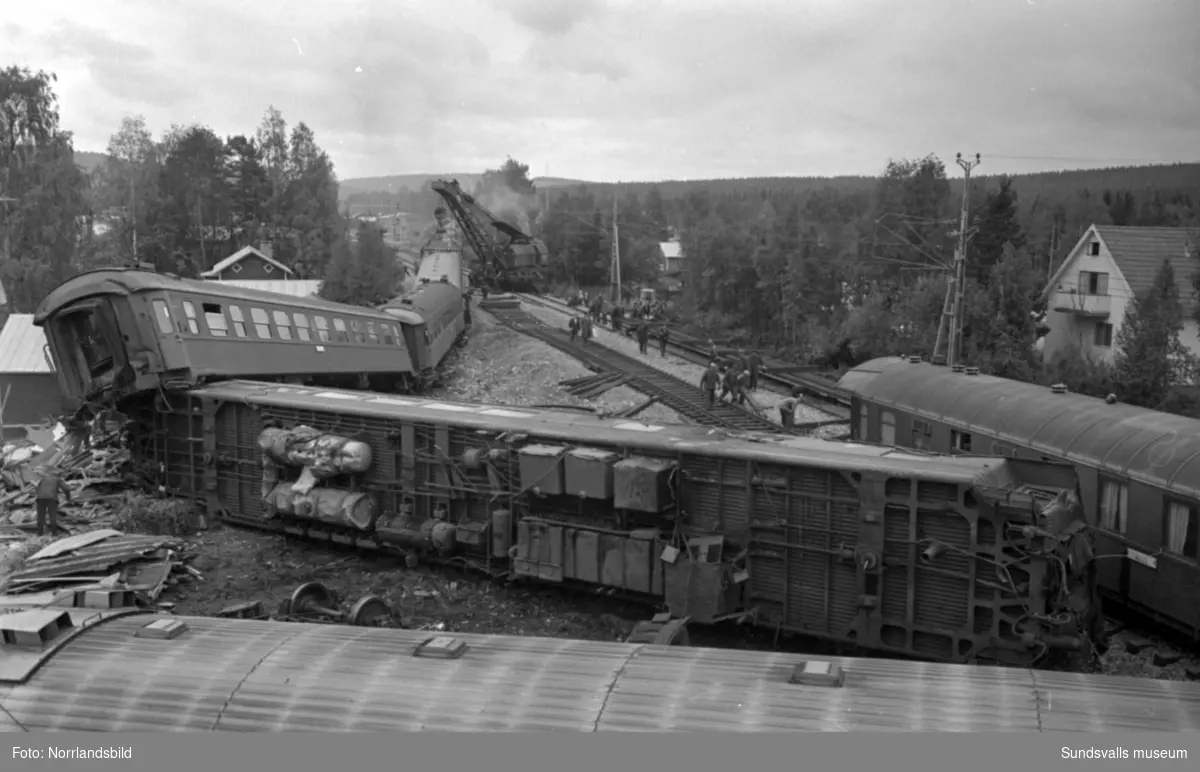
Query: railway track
x=782, y=375
x=678, y=395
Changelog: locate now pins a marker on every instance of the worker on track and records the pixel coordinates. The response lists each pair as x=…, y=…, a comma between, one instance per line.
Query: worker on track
x=573, y=326
x=643, y=336
x=663, y=336
x=742, y=386
x=48, y=489
x=787, y=411
x=729, y=383
x=754, y=364
x=586, y=329
x=710, y=381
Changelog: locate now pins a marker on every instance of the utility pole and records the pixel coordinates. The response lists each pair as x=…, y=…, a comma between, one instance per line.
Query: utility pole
x=952, y=309
x=616, y=256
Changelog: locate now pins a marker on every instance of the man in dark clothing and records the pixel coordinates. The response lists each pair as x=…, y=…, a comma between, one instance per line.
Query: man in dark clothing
x=729, y=383
x=48, y=489
x=586, y=329
x=710, y=381
x=754, y=363
x=741, y=385
x=663, y=335
x=643, y=336
x=787, y=412
x=573, y=326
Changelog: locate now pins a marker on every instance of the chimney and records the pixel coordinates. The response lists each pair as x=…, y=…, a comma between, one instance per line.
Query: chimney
x=265, y=248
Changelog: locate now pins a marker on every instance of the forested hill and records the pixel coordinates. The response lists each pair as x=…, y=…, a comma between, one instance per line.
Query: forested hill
x=1163, y=178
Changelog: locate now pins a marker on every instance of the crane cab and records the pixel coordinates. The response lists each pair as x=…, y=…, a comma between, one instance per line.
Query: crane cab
x=646, y=295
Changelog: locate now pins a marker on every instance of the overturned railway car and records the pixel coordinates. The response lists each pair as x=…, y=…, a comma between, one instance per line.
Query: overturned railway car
x=1139, y=469
x=953, y=559
x=117, y=332
x=106, y=669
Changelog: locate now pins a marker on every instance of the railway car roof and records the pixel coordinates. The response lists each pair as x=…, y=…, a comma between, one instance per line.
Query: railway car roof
x=247, y=675
x=130, y=281
x=573, y=428
x=425, y=298
x=1156, y=448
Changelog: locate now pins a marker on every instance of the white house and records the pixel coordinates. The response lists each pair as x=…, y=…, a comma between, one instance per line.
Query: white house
x=1088, y=295
x=672, y=256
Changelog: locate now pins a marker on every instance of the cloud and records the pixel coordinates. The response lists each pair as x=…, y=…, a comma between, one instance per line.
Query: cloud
x=641, y=89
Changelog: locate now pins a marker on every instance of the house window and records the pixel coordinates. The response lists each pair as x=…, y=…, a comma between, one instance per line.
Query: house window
x=1093, y=283
x=239, y=321
x=235, y=268
x=262, y=325
x=301, y=326
x=1094, y=248
x=284, y=325
x=1114, y=505
x=163, y=315
x=268, y=268
x=960, y=441
x=887, y=427
x=1181, y=529
x=215, y=320
x=189, y=311
x=339, y=327
x=1103, y=335
x=322, y=328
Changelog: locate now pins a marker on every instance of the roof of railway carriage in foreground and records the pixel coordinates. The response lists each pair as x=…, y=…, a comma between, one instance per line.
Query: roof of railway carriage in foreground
x=227, y=674
x=129, y=281
x=571, y=428
x=1157, y=448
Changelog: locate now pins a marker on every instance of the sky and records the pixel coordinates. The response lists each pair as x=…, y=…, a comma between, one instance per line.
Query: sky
x=625, y=90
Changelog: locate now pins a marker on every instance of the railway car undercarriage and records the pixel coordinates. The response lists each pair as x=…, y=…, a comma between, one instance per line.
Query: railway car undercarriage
x=904, y=566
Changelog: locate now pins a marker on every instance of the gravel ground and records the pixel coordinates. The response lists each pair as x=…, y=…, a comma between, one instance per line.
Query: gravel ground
x=684, y=370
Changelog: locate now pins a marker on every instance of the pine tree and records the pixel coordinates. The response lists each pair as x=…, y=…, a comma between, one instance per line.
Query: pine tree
x=1150, y=357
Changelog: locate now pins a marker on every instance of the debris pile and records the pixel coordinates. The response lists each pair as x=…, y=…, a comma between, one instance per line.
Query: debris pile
x=100, y=558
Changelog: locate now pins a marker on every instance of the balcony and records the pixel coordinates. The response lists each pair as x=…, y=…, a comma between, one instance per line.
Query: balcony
x=1072, y=302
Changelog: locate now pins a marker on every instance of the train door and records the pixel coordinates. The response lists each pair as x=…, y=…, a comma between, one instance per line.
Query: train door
x=170, y=323
x=89, y=349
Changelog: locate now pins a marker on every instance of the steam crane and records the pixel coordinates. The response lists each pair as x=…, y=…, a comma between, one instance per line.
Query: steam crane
x=512, y=266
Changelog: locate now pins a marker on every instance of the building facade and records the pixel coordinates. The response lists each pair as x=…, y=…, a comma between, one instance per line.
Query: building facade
x=249, y=263
x=1088, y=296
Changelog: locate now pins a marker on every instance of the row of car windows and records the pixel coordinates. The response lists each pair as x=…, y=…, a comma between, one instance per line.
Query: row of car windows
x=276, y=325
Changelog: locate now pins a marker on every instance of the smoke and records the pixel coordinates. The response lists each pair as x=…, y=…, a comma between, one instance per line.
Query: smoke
x=508, y=205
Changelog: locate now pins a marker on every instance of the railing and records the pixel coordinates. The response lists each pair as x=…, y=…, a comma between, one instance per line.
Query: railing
x=1084, y=304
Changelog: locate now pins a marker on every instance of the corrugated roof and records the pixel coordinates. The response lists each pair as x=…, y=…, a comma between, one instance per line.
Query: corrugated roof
x=239, y=675
x=1160, y=449
x=1140, y=252
x=240, y=255
x=298, y=288
x=22, y=346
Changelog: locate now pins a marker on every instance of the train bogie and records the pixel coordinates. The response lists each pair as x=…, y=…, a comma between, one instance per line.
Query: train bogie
x=949, y=559
x=1138, y=469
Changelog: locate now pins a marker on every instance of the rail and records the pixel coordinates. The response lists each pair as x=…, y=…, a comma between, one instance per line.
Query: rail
x=777, y=373
x=682, y=397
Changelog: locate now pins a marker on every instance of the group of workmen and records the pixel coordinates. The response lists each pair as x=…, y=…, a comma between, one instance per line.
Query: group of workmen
x=734, y=380
x=582, y=327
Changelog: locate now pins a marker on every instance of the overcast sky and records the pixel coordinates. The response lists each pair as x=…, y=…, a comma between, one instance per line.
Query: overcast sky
x=639, y=89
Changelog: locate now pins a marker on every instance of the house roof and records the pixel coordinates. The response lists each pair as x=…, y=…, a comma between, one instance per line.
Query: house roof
x=299, y=288
x=671, y=248
x=22, y=346
x=239, y=256
x=1140, y=252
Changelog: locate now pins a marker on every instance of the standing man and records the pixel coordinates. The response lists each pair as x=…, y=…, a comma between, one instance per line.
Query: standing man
x=48, y=490
x=754, y=363
x=663, y=336
x=573, y=326
x=729, y=383
x=643, y=336
x=710, y=381
x=586, y=329
x=742, y=384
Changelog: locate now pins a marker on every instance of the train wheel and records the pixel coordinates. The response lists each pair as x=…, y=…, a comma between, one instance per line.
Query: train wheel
x=369, y=611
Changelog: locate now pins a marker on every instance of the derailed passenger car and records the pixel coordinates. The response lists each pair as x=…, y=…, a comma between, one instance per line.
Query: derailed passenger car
x=954, y=559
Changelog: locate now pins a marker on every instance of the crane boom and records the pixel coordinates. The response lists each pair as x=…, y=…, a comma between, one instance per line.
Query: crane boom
x=514, y=265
